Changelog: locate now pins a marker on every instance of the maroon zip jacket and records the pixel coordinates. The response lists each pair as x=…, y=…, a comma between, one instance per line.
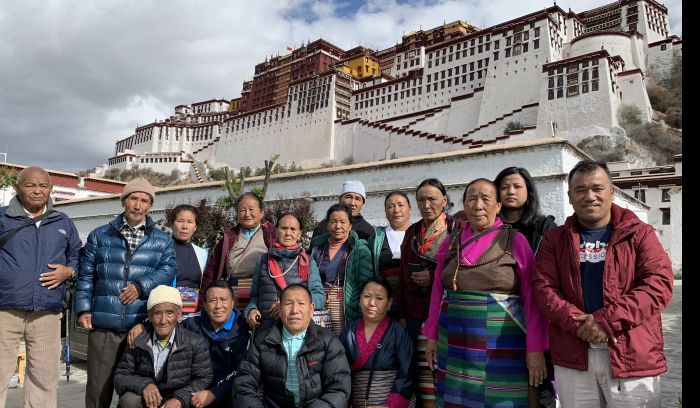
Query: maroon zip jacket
x=638, y=285
x=216, y=264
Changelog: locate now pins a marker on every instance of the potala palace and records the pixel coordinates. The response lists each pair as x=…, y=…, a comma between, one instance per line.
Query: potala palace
x=448, y=88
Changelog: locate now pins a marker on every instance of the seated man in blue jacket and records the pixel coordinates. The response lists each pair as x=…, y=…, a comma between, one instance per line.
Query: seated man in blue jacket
x=168, y=364
x=226, y=332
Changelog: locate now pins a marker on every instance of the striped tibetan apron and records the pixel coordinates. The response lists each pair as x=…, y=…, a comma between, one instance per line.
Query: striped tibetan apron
x=424, y=375
x=481, y=351
x=335, y=298
x=375, y=394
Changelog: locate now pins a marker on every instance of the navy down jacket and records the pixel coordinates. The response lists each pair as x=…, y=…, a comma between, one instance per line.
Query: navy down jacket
x=107, y=266
x=28, y=254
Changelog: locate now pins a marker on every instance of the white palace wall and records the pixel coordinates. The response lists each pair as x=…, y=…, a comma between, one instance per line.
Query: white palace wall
x=549, y=161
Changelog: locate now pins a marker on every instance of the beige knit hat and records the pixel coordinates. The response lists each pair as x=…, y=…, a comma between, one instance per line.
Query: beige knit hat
x=139, y=184
x=164, y=294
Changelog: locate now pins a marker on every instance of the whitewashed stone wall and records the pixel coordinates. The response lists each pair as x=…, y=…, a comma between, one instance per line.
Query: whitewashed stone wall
x=633, y=90
x=548, y=160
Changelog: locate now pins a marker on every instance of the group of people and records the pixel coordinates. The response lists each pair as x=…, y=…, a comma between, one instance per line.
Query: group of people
x=493, y=306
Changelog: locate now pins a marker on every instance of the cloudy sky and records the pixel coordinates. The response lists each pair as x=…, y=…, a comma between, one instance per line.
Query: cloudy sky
x=75, y=76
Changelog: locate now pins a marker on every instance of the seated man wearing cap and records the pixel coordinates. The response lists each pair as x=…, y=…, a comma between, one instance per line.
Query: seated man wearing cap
x=168, y=364
x=353, y=195
x=227, y=333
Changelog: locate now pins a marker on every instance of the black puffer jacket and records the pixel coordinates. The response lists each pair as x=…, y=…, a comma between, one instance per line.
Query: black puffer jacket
x=322, y=369
x=187, y=369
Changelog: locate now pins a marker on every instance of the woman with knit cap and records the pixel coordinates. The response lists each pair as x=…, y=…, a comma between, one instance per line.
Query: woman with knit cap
x=285, y=263
x=344, y=263
x=235, y=256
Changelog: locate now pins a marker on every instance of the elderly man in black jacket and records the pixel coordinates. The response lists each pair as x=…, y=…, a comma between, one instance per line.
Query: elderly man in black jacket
x=169, y=362
x=299, y=363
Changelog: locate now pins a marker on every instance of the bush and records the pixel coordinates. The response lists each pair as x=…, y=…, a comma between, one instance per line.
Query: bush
x=674, y=118
x=275, y=209
x=510, y=126
x=662, y=143
x=213, y=220
x=660, y=98
x=218, y=174
x=629, y=115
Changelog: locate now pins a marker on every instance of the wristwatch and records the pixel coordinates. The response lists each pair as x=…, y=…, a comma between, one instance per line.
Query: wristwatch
x=72, y=273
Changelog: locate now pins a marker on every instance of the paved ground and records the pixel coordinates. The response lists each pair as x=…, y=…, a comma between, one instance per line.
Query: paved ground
x=72, y=394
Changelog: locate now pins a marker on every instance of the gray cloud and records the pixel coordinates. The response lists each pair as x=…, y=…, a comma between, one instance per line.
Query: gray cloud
x=77, y=76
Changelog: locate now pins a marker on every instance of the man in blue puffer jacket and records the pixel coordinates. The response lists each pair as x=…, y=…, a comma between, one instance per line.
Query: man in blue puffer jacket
x=119, y=266
x=36, y=258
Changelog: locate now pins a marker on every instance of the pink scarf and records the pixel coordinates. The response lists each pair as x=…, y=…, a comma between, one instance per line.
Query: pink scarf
x=367, y=348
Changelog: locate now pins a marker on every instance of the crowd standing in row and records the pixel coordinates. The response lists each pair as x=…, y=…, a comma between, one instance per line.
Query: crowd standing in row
x=483, y=309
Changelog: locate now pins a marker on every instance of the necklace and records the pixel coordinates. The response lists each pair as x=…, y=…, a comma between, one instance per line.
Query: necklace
x=269, y=272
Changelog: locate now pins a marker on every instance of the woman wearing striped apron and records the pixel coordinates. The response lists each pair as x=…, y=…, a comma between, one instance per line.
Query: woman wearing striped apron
x=344, y=263
x=418, y=261
x=380, y=352
x=286, y=263
x=487, y=337
x=385, y=244
x=235, y=256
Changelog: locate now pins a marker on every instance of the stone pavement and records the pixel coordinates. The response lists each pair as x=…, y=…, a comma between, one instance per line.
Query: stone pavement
x=72, y=394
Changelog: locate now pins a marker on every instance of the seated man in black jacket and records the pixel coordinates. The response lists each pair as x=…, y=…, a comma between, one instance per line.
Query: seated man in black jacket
x=168, y=364
x=227, y=333
x=299, y=363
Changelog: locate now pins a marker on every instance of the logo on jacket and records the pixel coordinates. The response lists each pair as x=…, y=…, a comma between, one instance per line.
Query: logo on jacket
x=62, y=231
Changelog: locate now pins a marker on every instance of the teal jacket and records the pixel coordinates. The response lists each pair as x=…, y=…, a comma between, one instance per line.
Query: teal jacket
x=375, y=244
x=358, y=268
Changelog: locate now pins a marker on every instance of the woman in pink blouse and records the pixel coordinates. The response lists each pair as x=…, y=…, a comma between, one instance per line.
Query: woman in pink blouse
x=491, y=336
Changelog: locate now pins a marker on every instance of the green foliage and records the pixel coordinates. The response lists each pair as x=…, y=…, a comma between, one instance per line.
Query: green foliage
x=510, y=126
x=156, y=178
x=218, y=174
x=213, y=220
x=629, y=115
x=8, y=178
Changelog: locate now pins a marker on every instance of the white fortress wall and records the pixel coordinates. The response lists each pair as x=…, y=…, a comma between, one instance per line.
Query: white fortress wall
x=615, y=43
x=548, y=160
x=512, y=82
x=594, y=108
x=634, y=92
x=299, y=138
x=363, y=143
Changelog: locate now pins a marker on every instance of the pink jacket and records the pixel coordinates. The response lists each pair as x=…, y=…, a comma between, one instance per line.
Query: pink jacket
x=638, y=285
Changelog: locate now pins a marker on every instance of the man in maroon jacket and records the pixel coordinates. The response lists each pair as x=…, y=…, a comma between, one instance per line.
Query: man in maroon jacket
x=602, y=279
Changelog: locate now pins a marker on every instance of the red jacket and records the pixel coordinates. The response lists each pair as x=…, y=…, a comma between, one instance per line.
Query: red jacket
x=638, y=285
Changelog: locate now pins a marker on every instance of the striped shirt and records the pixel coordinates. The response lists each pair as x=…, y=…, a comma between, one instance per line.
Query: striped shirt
x=292, y=345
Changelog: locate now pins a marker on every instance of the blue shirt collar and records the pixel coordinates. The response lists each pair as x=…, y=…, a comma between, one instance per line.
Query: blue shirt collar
x=288, y=336
x=248, y=233
x=226, y=328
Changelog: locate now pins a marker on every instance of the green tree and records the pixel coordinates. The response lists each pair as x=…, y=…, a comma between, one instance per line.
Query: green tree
x=8, y=178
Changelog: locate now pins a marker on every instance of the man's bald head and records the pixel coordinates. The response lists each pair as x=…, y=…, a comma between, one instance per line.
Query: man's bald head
x=32, y=170
x=33, y=189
